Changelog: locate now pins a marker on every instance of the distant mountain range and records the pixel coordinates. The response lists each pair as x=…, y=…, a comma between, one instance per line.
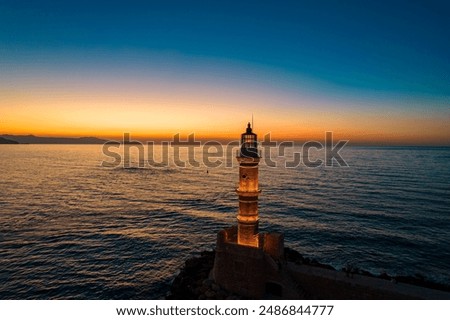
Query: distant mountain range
x=31, y=139
x=7, y=141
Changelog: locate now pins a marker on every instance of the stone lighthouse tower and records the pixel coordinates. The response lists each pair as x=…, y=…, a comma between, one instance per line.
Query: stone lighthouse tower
x=248, y=262
x=248, y=190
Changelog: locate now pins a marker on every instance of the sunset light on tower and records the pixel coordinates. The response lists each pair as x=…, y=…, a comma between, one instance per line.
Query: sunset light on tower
x=248, y=190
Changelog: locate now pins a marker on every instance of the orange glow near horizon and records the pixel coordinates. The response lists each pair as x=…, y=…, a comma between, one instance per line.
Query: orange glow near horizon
x=217, y=114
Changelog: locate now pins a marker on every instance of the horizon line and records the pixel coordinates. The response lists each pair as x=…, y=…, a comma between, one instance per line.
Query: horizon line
x=223, y=140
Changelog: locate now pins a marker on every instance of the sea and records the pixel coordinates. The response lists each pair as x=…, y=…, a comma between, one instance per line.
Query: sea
x=76, y=225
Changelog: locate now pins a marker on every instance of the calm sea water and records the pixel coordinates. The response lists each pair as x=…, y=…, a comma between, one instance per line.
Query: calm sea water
x=70, y=228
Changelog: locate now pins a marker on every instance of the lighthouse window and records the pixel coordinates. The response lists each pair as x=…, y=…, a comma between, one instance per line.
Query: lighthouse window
x=248, y=138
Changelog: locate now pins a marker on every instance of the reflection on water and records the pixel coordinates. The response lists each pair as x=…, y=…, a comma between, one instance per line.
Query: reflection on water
x=72, y=229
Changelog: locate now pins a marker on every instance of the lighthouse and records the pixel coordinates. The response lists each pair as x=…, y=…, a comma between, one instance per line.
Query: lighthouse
x=247, y=262
x=248, y=190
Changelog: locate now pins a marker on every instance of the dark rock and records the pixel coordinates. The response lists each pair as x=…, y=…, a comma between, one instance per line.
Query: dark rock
x=215, y=287
x=210, y=294
x=192, y=281
x=420, y=280
x=384, y=276
x=192, y=263
x=207, y=282
x=295, y=257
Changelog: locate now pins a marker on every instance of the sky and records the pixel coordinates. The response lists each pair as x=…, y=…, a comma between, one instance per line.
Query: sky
x=372, y=72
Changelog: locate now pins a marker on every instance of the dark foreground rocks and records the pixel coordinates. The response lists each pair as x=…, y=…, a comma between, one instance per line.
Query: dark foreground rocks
x=193, y=281
x=417, y=280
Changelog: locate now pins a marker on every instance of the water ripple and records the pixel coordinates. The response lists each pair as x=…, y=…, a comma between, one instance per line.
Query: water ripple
x=70, y=229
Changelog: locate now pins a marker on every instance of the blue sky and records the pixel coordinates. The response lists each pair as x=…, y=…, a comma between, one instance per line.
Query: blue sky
x=386, y=45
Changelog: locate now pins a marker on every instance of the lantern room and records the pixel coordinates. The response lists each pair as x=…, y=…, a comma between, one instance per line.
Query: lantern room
x=249, y=143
